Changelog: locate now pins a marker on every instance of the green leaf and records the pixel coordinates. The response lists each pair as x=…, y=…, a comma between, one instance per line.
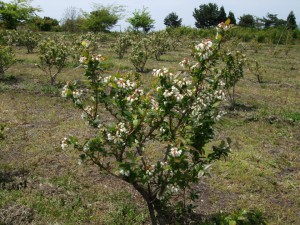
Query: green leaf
x=135, y=123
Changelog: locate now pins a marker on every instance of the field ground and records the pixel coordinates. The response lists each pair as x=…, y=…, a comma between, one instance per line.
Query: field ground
x=41, y=184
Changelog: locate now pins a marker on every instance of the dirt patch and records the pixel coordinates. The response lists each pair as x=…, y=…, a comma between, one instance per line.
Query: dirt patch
x=13, y=180
x=16, y=214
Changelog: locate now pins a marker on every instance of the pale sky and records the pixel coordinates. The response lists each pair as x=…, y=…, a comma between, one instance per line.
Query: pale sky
x=159, y=9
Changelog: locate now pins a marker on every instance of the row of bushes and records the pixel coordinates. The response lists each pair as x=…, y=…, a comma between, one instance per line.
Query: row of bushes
x=270, y=35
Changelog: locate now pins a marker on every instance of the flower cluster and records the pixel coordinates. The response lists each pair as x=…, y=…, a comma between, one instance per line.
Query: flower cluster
x=150, y=171
x=125, y=84
x=160, y=72
x=175, y=152
x=204, y=50
x=87, y=112
x=120, y=134
x=185, y=63
x=64, y=143
x=83, y=59
x=224, y=26
x=173, y=188
x=124, y=172
x=77, y=93
x=173, y=92
x=64, y=92
x=135, y=96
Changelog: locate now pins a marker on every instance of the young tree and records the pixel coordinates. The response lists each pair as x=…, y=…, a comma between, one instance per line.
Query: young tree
x=207, y=15
x=16, y=12
x=103, y=18
x=141, y=19
x=271, y=20
x=177, y=114
x=72, y=19
x=222, y=15
x=247, y=20
x=291, y=21
x=231, y=17
x=7, y=58
x=172, y=20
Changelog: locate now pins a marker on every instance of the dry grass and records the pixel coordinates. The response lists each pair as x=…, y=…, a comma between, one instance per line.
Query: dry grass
x=262, y=172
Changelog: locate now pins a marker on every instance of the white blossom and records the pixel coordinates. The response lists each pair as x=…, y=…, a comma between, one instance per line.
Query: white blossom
x=82, y=59
x=65, y=91
x=64, y=143
x=175, y=152
x=124, y=172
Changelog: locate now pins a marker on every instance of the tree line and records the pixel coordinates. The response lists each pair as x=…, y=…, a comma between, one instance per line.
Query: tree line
x=104, y=18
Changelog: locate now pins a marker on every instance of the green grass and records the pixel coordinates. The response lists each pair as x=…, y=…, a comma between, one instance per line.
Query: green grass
x=262, y=172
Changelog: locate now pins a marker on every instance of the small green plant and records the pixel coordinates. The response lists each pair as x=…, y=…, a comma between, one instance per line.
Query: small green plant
x=242, y=217
x=141, y=51
x=121, y=45
x=160, y=43
x=52, y=58
x=232, y=72
x=25, y=38
x=256, y=69
x=7, y=59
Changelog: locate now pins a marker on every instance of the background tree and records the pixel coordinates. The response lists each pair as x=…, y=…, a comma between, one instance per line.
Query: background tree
x=271, y=20
x=231, y=17
x=46, y=23
x=207, y=15
x=222, y=15
x=103, y=18
x=141, y=19
x=247, y=20
x=72, y=19
x=16, y=12
x=291, y=21
x=172, y=20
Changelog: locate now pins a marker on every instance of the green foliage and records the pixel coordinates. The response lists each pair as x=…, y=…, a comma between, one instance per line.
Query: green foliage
x=140, y=52
x=222, y=15
x=177, y=113
x=7, y=58
x=233, y=72
x=16, y=12
x=242, y=217
x=209, y=15
x=25, y=38
x=160, y=43
x=46, y=24
x=126, y=212
x=103, y=18
x=256, y=69
x=231, y=17
x=52, y=57
x=172, y=20
x=141, y=19
x=272, y=21
x=291, y=21
x=76, y=45
x=122, y=44
x=247, y=20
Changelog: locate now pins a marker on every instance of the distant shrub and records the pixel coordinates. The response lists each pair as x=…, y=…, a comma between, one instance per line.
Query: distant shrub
x=28, y=39
x=7, y=58
x=52, y=57
x=121, y=44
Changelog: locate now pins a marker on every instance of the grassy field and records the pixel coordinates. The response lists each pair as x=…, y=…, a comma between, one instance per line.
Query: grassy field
x=41, y=184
